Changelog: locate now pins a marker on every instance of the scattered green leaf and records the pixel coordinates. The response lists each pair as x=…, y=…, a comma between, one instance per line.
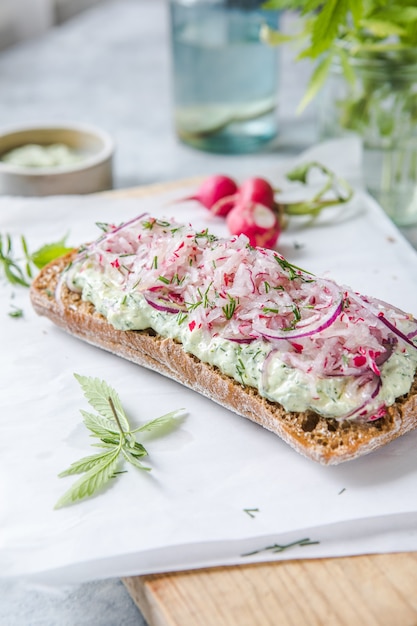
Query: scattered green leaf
x=13, y=273
x=18, y=270
x=49, y=252
x=276, y=547
x=16, y=312
x=111, y=427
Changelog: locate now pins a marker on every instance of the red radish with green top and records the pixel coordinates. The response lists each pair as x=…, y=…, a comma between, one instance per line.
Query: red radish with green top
x=217, y=193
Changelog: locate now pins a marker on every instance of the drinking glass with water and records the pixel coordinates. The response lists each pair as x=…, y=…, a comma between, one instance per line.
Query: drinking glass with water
x=225, y=78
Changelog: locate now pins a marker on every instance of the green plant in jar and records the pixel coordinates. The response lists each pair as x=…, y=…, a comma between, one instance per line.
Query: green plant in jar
x=366, y=72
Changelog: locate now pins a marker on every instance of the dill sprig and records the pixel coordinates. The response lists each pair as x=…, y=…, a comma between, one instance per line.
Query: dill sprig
x=229, y=308
x=277, y=547
x=19, y=270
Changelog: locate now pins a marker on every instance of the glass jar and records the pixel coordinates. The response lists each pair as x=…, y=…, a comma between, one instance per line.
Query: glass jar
x=225, y=78
x=379, y=103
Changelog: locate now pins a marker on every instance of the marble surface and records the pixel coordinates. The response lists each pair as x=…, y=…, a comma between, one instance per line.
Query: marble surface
x=101, y=603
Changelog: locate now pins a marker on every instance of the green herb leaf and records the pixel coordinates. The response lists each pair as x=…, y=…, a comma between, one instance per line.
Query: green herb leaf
x=94, y=480
x=133, y=460
x=326, y=26
x=99, y=425
x=347, y=69
x=12, y=267
x=161, y=424
x=383, y=31
x=87, y=463
x=112, y=428
x=273, y=37
x=49, y=252
x=357, y=10
x=98, y=392
x=299, y=173
x=316, y=82
x=16, y=313
x=12, y=271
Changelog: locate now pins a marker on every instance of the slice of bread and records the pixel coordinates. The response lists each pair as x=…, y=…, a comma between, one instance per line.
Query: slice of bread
x=328, y=441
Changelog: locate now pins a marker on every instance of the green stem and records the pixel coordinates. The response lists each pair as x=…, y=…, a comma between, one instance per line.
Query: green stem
x=116, y=417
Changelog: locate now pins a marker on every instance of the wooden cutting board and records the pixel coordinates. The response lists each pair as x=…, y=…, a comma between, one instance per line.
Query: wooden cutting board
x=378, y=590
x=368, y=590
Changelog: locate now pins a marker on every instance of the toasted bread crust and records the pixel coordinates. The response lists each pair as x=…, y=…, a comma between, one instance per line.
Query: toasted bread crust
x=327, y=441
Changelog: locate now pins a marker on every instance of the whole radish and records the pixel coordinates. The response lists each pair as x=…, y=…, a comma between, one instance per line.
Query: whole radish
x=256, y=221
x=256, y=190
x=216, y=193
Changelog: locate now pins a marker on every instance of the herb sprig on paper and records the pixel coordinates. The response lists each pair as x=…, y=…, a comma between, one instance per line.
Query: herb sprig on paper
x=10, y=265
x=19, y=269
x=277, y=547
x=116, y=438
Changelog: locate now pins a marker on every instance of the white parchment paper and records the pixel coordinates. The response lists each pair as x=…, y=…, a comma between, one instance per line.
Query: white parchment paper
x=191, y=510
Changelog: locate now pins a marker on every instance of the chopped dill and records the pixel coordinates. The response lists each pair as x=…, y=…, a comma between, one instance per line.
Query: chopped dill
x=240, y=369
x=176, y=279
x=293, y=270
x=149, y=224
x=104, y=226
x=181, y=317
x=297, y=314
x=276, y=547
x=229, y=308
x=15, y=312
x=206, y=301
x=191, y=306
x=204, y=234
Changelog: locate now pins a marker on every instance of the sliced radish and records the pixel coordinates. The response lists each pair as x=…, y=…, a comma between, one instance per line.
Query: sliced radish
x=256, y=221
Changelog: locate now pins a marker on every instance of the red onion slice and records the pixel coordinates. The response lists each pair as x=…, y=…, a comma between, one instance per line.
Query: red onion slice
x=395, y=330
x=240, y=339
x=368, y=302
x=163, y=304
x=362, y=412
x=326, y=321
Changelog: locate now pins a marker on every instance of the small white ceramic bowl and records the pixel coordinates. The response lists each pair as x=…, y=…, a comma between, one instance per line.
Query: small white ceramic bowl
x=92, y=173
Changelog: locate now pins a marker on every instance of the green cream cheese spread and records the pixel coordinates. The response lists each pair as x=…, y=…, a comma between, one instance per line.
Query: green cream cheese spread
x=257, y=364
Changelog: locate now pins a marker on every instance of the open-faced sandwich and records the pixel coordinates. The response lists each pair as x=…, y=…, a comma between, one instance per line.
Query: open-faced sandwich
x=332, y=372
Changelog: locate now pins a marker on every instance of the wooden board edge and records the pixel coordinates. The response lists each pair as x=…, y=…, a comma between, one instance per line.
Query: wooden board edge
x=371, y=590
